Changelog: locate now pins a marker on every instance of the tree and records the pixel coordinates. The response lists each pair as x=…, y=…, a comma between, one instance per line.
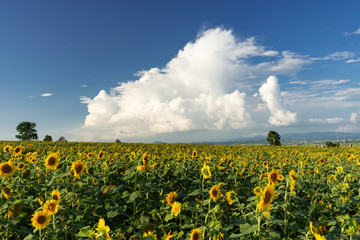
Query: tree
x=117, y=141
x=331, y=144
x=47, y=138
x=26, y=131
x=273, y=138
x=62, y=139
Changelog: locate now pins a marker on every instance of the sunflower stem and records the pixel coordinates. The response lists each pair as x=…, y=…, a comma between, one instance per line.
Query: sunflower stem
x=208, y=211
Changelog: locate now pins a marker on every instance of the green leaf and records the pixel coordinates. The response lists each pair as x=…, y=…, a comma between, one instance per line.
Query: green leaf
x=28, y=237
x=247, y=228
x=195, y=193
x=168, y=217
x=180, y=234
x=112, y=214
x=235, y=236
x=85, y=233
x=134, y=196
x=144, y=219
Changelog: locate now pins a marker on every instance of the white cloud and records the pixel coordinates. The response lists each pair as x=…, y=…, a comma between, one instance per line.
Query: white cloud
x=46, y=94
x=336, y=56
x=326, y=121
x=84, y=85
x=348, y=128
x=353, y=60
x=208, y=86
x=357, y=31
x=353, y=117
x=270, y=94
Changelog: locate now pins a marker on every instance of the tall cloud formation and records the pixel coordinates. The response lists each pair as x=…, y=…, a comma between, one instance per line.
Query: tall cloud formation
x=270, y=94
x=203, y=88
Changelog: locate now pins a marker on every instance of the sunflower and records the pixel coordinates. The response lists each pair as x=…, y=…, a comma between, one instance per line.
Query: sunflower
x=145, y=159
x=313, y=230
x=266, y=198
x=171, y=197
x=51, y=207
x=169, y=236
x=150, y=234
x=108, y=188
x=195, y=234
x=15, y=210
x=89, y=155
x=274, y=176
x=7, y=148
x=292, y=185
x=55, y=196
x=214, y=193
x=102, y=228
x=141, y=168
x=52, y=161
x=26, y=173
x=18, y=151
x=78, y=168
x=7, y=169
x=7, y=191
x=101, y=154
x=228, y=197
x=292, y=175
x=205, y=170
x=176, y=209
x=40, y=220
x=95, y=181
x=21, y=166
x=257, y=190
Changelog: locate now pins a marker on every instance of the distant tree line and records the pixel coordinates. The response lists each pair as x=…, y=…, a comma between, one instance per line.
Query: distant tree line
x=27, y=131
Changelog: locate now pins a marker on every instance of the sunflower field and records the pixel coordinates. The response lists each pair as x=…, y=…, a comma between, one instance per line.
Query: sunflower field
x=70, y=190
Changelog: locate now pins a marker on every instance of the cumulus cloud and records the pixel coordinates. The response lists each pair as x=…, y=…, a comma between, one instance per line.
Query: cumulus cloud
x=203, y=88
x=271, y=95
x=46, y=94
x=326, y=120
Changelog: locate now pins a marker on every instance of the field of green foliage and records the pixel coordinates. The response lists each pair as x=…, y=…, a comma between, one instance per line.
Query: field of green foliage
x=70, y=190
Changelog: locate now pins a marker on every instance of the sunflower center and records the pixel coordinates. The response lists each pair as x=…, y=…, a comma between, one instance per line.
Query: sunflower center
x=267, y=197
x=52, y=161
x=55, y=197
x=41, y=219
x=214, y=192
x=78, y=168
x=172, y=198
x=196, y=236
x=6, y=168
x=273, y=177
x=51, y=207
x=17, y=150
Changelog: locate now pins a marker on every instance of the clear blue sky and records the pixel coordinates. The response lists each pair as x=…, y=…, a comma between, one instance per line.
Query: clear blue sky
x=57, y=57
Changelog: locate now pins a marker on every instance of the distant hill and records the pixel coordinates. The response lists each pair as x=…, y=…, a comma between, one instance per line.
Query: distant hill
x=295, y=138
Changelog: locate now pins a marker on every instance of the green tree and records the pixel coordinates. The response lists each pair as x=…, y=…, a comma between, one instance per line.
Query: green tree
x=47, y=138
x=331, y=144
x=62, y=139
x=273, y=138
x=26, y=131
x=117, y=141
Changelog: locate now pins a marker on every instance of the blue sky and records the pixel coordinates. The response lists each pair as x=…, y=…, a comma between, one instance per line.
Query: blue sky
x=179, y=70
